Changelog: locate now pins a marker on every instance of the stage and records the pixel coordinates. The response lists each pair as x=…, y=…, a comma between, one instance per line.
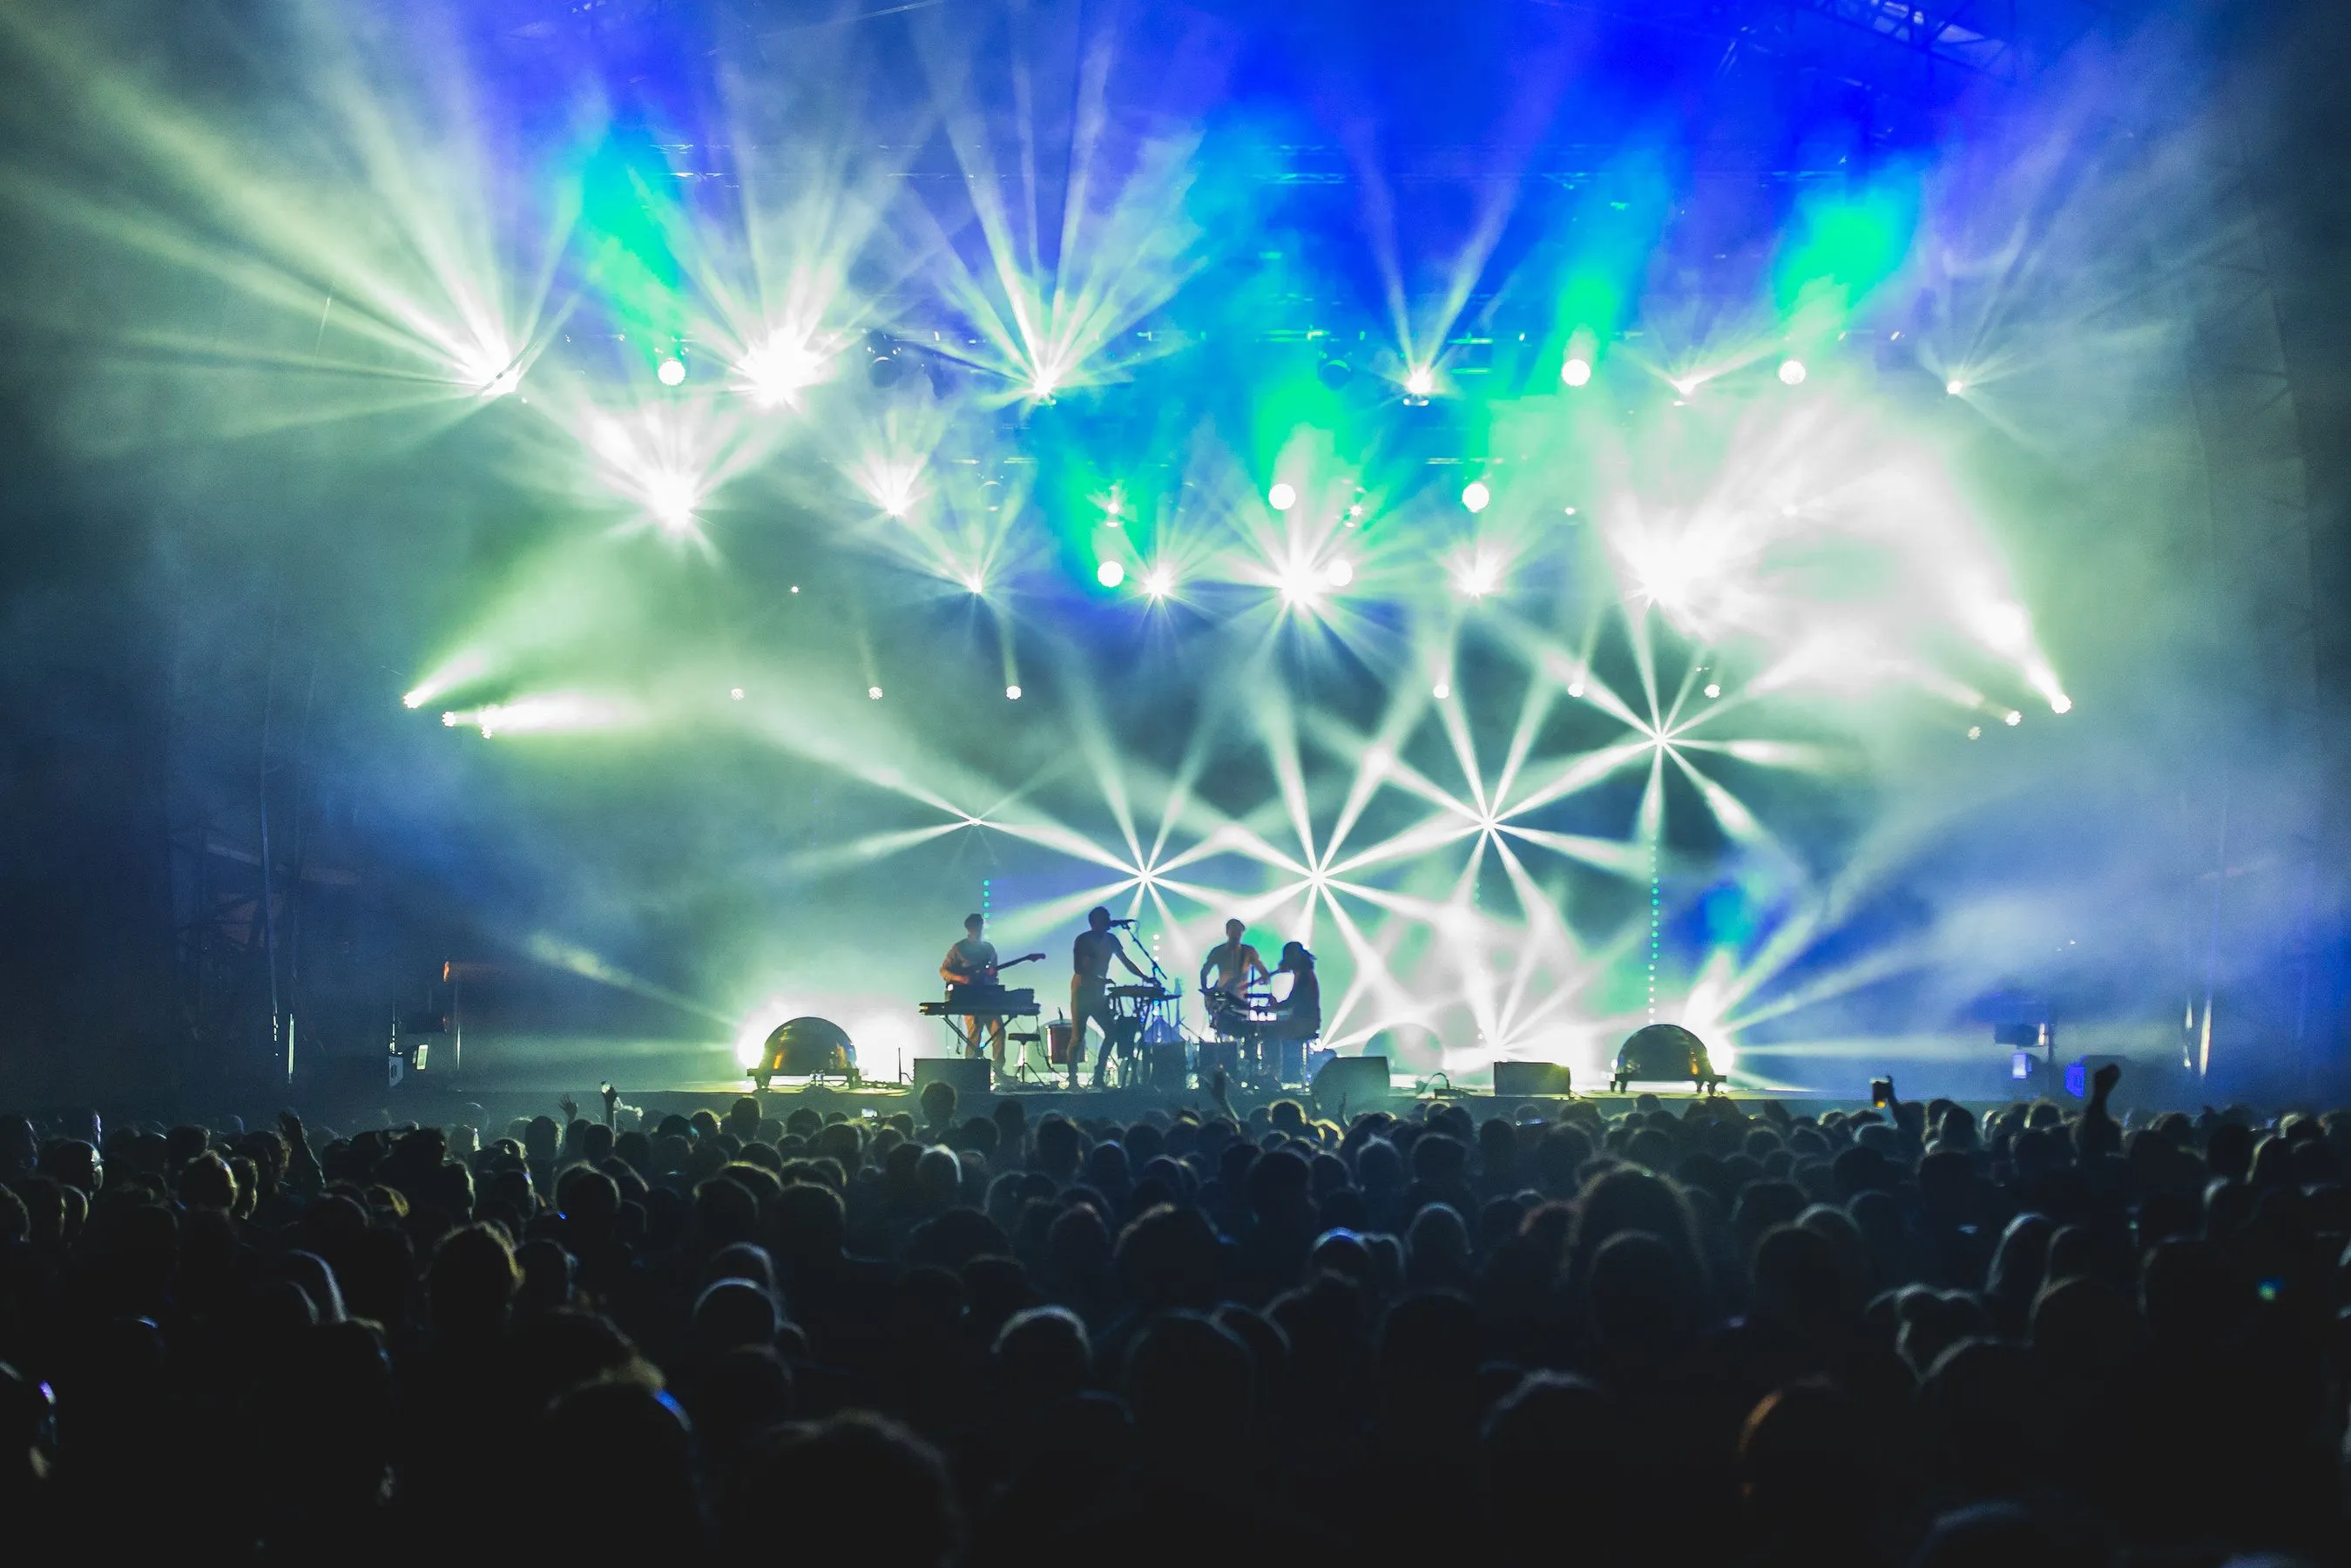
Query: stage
x=492, y=1109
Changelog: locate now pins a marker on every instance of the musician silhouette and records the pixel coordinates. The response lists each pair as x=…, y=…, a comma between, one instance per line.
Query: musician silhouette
x=1089, y=958
x=1298, y=1017
x=972, y=962
x=1236, y=965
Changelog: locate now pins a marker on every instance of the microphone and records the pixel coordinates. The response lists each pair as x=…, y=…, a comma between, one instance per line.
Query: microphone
x=1128, y=924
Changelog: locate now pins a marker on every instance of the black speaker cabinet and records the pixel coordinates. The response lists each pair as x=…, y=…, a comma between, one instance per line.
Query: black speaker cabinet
x=1346, y=1085
x=1517, y=1080
x=969, y=1075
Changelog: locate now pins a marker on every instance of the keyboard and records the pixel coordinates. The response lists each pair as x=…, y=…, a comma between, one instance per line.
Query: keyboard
x=984, y=1001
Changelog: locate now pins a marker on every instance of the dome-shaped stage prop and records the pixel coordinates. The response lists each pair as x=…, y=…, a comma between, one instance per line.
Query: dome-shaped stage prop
x=805, y=1047
x=1664, y=1052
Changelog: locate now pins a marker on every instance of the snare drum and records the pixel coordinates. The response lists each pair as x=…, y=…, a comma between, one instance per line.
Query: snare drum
x=1227, y=1014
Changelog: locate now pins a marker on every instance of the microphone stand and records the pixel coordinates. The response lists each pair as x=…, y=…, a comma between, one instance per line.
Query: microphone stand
x=1160, y=978
x=1174, y=998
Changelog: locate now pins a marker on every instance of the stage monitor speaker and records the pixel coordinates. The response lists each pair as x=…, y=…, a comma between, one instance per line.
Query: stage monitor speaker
x=1347, y=1085
x=968, y=1075
x=2082, y=1070
x=1164, y=1067
x=1518, y=1080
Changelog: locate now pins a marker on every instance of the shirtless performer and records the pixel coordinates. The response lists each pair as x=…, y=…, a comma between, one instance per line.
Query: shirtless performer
x=972, y=962
x=1236, y=965
x=1089, y=958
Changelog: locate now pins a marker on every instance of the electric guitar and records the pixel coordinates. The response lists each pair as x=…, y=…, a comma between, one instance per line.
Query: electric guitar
x=988, y=978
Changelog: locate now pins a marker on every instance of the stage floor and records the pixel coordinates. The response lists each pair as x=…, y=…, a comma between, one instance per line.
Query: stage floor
x=1116, y=1104
x=493, y=1105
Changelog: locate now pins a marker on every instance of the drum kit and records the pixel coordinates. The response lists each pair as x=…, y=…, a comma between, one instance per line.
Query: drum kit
x=1245, y=1040
x=1147, y=1046
x=1144, y=1049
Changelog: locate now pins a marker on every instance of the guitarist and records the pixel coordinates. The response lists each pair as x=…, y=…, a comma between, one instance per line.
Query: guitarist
x=973, y=962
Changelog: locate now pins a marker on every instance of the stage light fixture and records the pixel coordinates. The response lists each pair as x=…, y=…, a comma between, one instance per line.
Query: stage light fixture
x=1975, y=732
x=1282, y=496
x=669, y=498
x=1334, y=371
x=1954, y=387
x=1110, y=574
x=1012, y=694
x=779, y=370
x=2013, y=718
x=975, y=583
x=1475, y=495
x=490, y=368
x=1791, y=373
x=449, y=721
x=1576, y=371
x=1576, y=688
x=873, y=694
x=1714, y=688
x=1441, y=692
x=883, y=367
x=2061, y=703
x=1159, y=583
x=412, y=700
x=672, y=370
x=1419, y=382
x=736, y=693
x=1339, y=572
x=1479, y=579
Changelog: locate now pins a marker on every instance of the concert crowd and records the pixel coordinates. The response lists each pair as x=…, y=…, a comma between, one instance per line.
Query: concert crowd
x=944, y=1334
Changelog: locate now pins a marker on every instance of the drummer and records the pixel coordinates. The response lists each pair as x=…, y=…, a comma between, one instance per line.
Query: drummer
x=1236, y=964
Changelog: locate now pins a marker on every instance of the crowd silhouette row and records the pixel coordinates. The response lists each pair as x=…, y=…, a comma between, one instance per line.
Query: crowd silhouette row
x=954, y=1334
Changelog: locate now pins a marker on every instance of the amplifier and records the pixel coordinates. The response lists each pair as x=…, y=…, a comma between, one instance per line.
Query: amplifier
x=1518, y=1080
x=969, y=1075
x=1345, y=1085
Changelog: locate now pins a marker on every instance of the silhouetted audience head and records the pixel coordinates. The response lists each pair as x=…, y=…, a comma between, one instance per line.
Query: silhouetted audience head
x=1925, y=1332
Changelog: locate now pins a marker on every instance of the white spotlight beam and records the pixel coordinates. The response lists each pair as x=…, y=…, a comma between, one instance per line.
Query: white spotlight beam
x=1422, y=838
x=1612, y=855
x=1576, y=775
x=869, y=848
